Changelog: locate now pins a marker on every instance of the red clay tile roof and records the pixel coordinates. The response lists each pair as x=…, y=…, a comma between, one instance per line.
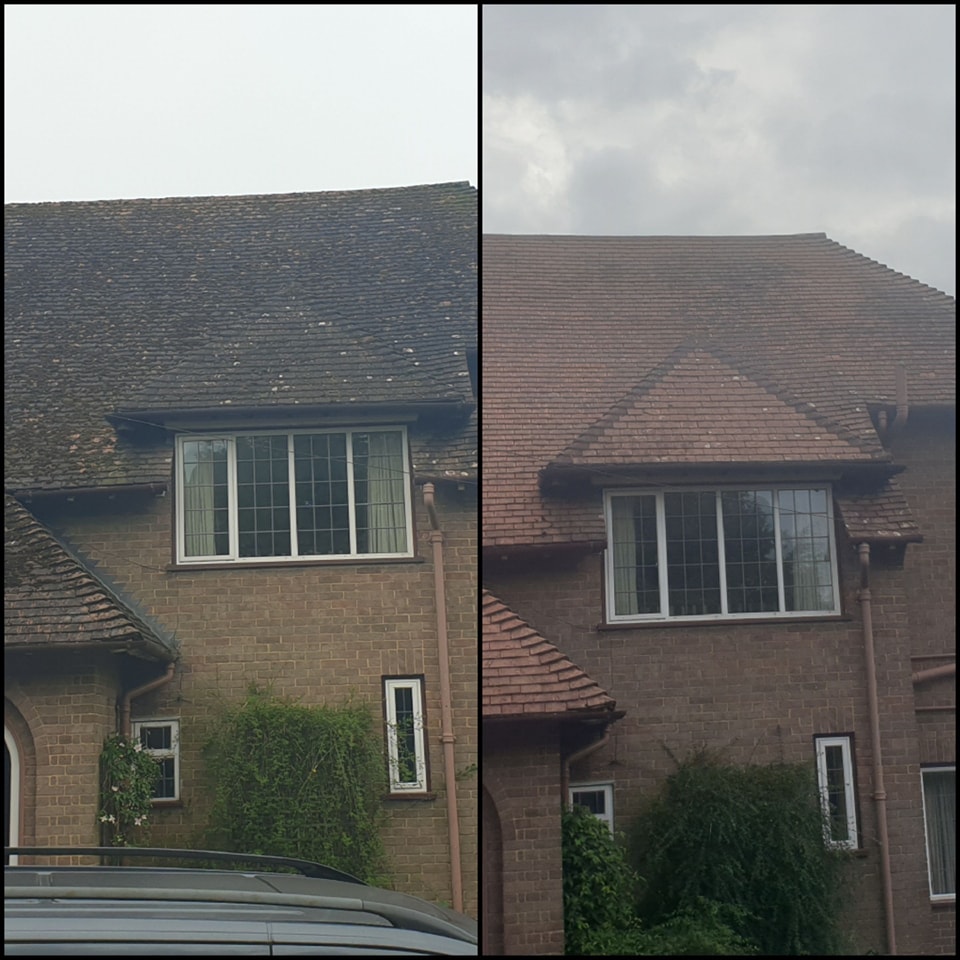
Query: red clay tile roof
x=52, y=600
x=525, y=676
x=696, y=408
x=581, y=333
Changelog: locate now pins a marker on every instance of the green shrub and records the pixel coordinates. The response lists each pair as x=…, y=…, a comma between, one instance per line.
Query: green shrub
x=705, y=929
x=299, y=781
x=598, y=885
x=750, y=838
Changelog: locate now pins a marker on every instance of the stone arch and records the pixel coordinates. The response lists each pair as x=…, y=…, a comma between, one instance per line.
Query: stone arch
x=20, y=766
x=491, y=943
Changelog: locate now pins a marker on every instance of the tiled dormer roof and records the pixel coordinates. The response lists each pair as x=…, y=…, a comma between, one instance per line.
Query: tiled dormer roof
x=138, y=308
x=51, y=600
x=590, y=347
x=698, y=408
x=524, y=675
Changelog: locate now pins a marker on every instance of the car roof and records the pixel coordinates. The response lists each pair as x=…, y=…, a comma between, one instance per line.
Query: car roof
x=72, y=897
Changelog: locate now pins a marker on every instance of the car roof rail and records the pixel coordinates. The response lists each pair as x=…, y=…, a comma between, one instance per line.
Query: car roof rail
x=307, y=868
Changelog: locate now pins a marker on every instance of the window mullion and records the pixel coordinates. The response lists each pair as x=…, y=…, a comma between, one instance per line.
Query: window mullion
x=232, y=497
x=351, y=499
x=721, y=556
x=292, y=497
x=662, y=556
x=778, y=550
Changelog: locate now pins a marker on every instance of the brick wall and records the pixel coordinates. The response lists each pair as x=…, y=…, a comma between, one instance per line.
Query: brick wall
x=521, y=774
x=321, y=633
x=761, y=691
x=59, y=709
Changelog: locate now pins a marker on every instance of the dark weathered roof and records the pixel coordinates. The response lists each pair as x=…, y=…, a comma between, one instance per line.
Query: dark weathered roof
x=524, y=675
x=774, y=351
x=52, y=599
x=878, y=515
x=143, y=309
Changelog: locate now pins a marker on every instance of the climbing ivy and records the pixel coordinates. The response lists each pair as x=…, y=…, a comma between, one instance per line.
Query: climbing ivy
x=299, y=781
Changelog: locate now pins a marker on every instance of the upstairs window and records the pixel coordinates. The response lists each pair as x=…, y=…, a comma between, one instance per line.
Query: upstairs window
x=732, y=552
x=274, y=496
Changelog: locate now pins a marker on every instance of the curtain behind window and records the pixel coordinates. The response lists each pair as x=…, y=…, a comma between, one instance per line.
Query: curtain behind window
x=381, y=454
x=940, y=802
x=204, y=493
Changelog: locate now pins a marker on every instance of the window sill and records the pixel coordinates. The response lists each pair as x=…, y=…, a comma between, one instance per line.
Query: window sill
x=166, y=804
x=410, y=796
x=944, y=902
x=286, y=564
x=725, y=622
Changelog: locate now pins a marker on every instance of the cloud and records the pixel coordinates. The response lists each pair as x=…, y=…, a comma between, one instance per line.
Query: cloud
x=717, y=119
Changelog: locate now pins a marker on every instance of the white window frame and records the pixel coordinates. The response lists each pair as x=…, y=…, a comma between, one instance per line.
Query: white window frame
x=233, y=555
x=391, y=686
x=13, y=752
x=609, y=576
x=172, y=753
x=605, y=788
x=934, y=768
x=845, y=742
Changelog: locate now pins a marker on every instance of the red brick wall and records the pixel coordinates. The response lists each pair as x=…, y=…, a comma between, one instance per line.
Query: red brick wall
x=320, y=632
x=521, y=773
x=761, y=691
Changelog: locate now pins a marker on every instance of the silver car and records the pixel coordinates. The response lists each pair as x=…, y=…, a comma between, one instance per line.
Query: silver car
x=199, y=911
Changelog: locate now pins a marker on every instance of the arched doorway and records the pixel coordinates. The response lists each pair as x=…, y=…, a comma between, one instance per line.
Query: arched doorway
x=491, y=927
x=11, y=792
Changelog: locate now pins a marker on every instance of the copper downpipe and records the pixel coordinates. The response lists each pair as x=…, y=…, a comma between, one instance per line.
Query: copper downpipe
x=446, y=704
x=130, y=695
x=879, y=794
x=575, y=757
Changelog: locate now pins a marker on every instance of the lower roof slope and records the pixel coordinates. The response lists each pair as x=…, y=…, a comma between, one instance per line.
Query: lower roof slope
x=52, y=601
x=524, y=675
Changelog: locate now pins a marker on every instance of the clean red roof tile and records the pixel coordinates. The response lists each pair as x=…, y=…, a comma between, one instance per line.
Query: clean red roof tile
x=699, y=409
x=526, y=676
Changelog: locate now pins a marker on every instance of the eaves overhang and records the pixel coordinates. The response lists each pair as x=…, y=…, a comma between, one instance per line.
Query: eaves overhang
x=141, y=648
x=583, y=716
x=563, y=479
x=263, y=417
x=571, y=551
x=110, y=491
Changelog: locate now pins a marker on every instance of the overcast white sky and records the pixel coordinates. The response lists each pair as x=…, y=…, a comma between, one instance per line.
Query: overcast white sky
x=729, y=119
x=104, y=102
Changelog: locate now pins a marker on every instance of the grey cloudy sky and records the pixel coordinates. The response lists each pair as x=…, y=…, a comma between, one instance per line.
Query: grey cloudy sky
x=729, y=119
x=150, y=100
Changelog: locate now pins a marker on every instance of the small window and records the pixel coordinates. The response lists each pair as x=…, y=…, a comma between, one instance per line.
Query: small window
x=597, y=798
x=406, y=737
x=161, y=739
x=837, y=790
x=939, y=785
x=280, y=496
